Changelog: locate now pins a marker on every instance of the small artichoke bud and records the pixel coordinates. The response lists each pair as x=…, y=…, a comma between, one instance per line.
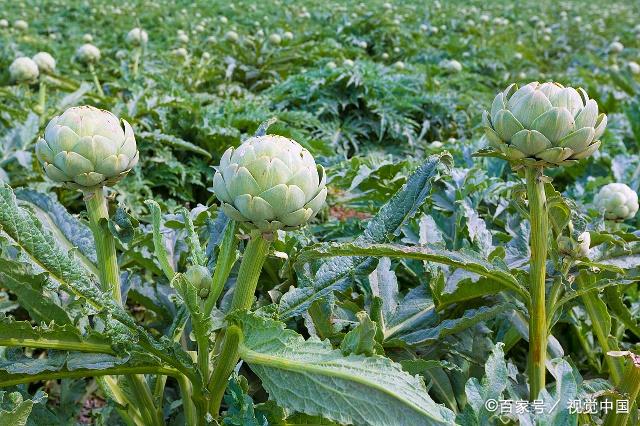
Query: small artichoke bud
x=451, y=66
x=288, y=35
x=544, y=124
x=21, y=25
x=87, y=38
x=231, y=36
x=88, y=54
x=617, y=201
x=46, y=63
x=200, y=277
x=270, y=183
x=4, y=23
x=23, y=70
x=137, y=37
x=183, y=38
x=575, y=249
x=399, y=65
x=86, y=148
x=348, y=63
x=616, y=47
x=275, y=39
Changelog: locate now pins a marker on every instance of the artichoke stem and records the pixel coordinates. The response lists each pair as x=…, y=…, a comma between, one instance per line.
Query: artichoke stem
x=95, y=80
x=228, y=359
x=252, y=261
x=42, y=98
x=136, y=61
x=628, y=390
x=108, y=270
x=538, y=238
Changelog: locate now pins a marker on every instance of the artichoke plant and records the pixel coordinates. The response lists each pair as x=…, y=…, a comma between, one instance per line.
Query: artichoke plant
x=137, y=37
x=270, y=182
x=86, y=148
x=544, y=124
x=617, y=201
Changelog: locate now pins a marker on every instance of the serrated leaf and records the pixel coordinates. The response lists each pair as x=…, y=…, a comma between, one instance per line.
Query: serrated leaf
x=354, y=389
x=337, y=274
x=15, y=410
x=30, y=289
x=68, y=230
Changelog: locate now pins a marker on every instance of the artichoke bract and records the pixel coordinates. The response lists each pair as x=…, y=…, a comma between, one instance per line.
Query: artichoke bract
x=544, y=124
x=269, y=183
x=86, y=148
x=617, y=201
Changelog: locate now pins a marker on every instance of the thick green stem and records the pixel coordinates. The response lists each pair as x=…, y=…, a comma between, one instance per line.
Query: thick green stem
x=628, y=391
x=590, y=301
x=252, y=260
x=109, y=274
x=108, y=270
x=202, y=340
x=228, y=359
x=190, y=415
x=538, y=239
x=42, y=98
x=136, y=61
x=95, y=80
x=143, y=396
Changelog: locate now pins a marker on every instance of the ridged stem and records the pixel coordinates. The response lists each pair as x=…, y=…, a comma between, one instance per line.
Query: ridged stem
x=228, y=359
x=252, y=261
x=628, y=390
x=95, y=79
x=108, y=270
x=42, y=98
x=538, y=238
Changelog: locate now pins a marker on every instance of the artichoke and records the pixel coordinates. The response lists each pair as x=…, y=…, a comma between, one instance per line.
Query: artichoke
x=46, y=63
x=88, y=54
x=23, y=70
x=137, y=37
x=617, y=201
x=544, y=124
x=577, y=249
x=270, y=182
x=200, y=277
x=86, y=148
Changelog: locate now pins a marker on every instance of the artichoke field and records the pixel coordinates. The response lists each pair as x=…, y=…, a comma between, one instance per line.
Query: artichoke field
x=377, y=213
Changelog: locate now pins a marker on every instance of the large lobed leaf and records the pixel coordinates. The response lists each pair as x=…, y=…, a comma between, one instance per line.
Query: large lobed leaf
x=310, y=376
x=337, y=274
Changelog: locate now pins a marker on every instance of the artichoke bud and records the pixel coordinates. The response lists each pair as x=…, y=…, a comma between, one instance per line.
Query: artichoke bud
x=576, y=249
x=617, y=202
x=46, y=63
x=270, y=183
x=87, y=148
x=200, y=278
x=544, y=124
x=88, y=54
x=24, y=70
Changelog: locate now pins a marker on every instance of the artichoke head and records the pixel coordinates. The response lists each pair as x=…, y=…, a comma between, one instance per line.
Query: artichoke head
x=544, y=124
x=270, y=183
x=86, y=148
x=617, y=201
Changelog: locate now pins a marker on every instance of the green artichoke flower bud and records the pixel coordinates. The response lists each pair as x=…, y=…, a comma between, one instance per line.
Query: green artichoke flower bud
x=544, y=124
x=137, y=37
x=23, y=70
x=617, y=201
x=87, y=38
x=451, y=66
x=232, y=36
x=86, y=148
x=576, y=249
x=270, y=183
x=46, y=63
x=88, y=54
x=21, y=25
x=201, y=278
x=275, y=39
x=4, y=23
